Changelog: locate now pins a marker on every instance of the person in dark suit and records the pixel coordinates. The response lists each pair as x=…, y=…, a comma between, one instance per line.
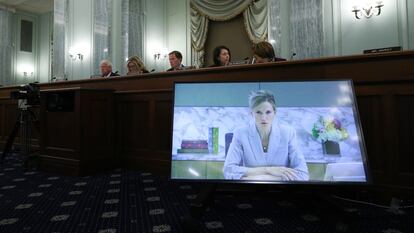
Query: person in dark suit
x=175, y=59
x=263, y=52
x=221, y=56
x=106, y=69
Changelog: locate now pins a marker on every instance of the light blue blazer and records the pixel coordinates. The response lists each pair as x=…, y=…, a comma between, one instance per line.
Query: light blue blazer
x=246, y=151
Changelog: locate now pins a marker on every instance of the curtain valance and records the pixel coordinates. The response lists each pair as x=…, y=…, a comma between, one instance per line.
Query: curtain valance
x=254, y=14
x=220, y=10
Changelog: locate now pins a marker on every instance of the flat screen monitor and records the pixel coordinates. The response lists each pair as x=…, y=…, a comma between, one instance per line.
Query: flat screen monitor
x=268, y=132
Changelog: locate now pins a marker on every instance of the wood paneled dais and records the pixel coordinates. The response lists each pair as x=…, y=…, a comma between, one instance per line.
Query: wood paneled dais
x=404, y=153
x=77, y=131
x=144, y=128
x=372, y=116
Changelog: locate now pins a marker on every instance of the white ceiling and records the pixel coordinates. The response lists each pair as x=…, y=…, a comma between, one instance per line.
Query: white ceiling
x=33, y=6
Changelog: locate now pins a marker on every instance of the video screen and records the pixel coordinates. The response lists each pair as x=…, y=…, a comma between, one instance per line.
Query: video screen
x=271, y=132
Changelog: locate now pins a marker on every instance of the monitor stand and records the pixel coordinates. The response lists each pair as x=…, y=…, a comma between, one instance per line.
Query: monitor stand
x=205, y=199
x=198, y=206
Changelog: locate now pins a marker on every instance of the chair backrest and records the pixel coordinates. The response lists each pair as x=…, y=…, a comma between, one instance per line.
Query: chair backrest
x=228, y=137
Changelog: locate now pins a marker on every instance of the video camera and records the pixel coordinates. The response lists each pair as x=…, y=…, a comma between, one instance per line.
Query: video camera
x=28, y=92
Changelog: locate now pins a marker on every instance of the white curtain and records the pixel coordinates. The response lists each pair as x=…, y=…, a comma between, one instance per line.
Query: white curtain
x=274, y=26
x=6, y=47
x=59, y=54
x=254, y=13
x=306, y=31
x=132, y=30
x=102, y=32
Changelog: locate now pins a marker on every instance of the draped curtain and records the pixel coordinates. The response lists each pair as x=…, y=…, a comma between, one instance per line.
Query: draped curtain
x=254, y=14
x=6, y=46
x=255, y=21
x=199, y=28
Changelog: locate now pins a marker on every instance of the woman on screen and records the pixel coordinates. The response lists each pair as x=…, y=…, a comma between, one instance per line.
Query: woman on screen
x=265, y=149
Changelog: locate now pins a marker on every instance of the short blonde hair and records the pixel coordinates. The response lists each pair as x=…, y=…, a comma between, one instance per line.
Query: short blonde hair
x=136, y=61
x=261, y=96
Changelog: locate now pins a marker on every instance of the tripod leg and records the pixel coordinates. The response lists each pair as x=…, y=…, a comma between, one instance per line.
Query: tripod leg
x=10, y=139
x=35, y=121
x=28, y=122
x=34, y=124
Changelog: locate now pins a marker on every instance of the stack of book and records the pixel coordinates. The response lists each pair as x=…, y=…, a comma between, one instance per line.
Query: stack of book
x=193, y=146
x=213, y=140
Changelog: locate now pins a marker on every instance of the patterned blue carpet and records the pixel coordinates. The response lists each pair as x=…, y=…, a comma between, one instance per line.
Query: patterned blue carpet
x=131, y=201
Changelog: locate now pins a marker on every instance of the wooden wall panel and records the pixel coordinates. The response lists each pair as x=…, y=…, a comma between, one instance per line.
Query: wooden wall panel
x=371, y=115
x=77, y=131
x=132, y=123
x=404, y=151
x=162, y=123
x=11, y=115
x=97, y=117
x=386, y=112
x=144, y=128
x=63, y=140
x=8, y=116
x=2, y=123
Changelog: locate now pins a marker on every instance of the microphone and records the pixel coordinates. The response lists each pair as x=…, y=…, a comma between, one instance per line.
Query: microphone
x=253, y=60
x=291, y=57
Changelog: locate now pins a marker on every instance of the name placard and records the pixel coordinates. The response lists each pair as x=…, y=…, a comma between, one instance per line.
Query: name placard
x=383, y=50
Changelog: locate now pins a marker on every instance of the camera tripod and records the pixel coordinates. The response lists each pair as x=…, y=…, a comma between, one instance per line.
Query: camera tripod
x=26, y=120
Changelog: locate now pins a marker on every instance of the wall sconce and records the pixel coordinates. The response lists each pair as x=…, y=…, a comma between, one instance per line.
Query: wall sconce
x=161, y=53
x=75, y=55
x=26, y=69
x=25, y=74
x=76, y=52
x=157, y=56
x=368, y=11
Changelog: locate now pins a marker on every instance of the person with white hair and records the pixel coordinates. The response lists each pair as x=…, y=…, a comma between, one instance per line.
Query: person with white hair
x=106, y=69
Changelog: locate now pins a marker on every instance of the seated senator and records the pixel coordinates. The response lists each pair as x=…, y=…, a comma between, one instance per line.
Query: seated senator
x=221, y=56
x=175, y=59
x=106, y=69
x=265, y=149
x=263, y=52
x=135, y=66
